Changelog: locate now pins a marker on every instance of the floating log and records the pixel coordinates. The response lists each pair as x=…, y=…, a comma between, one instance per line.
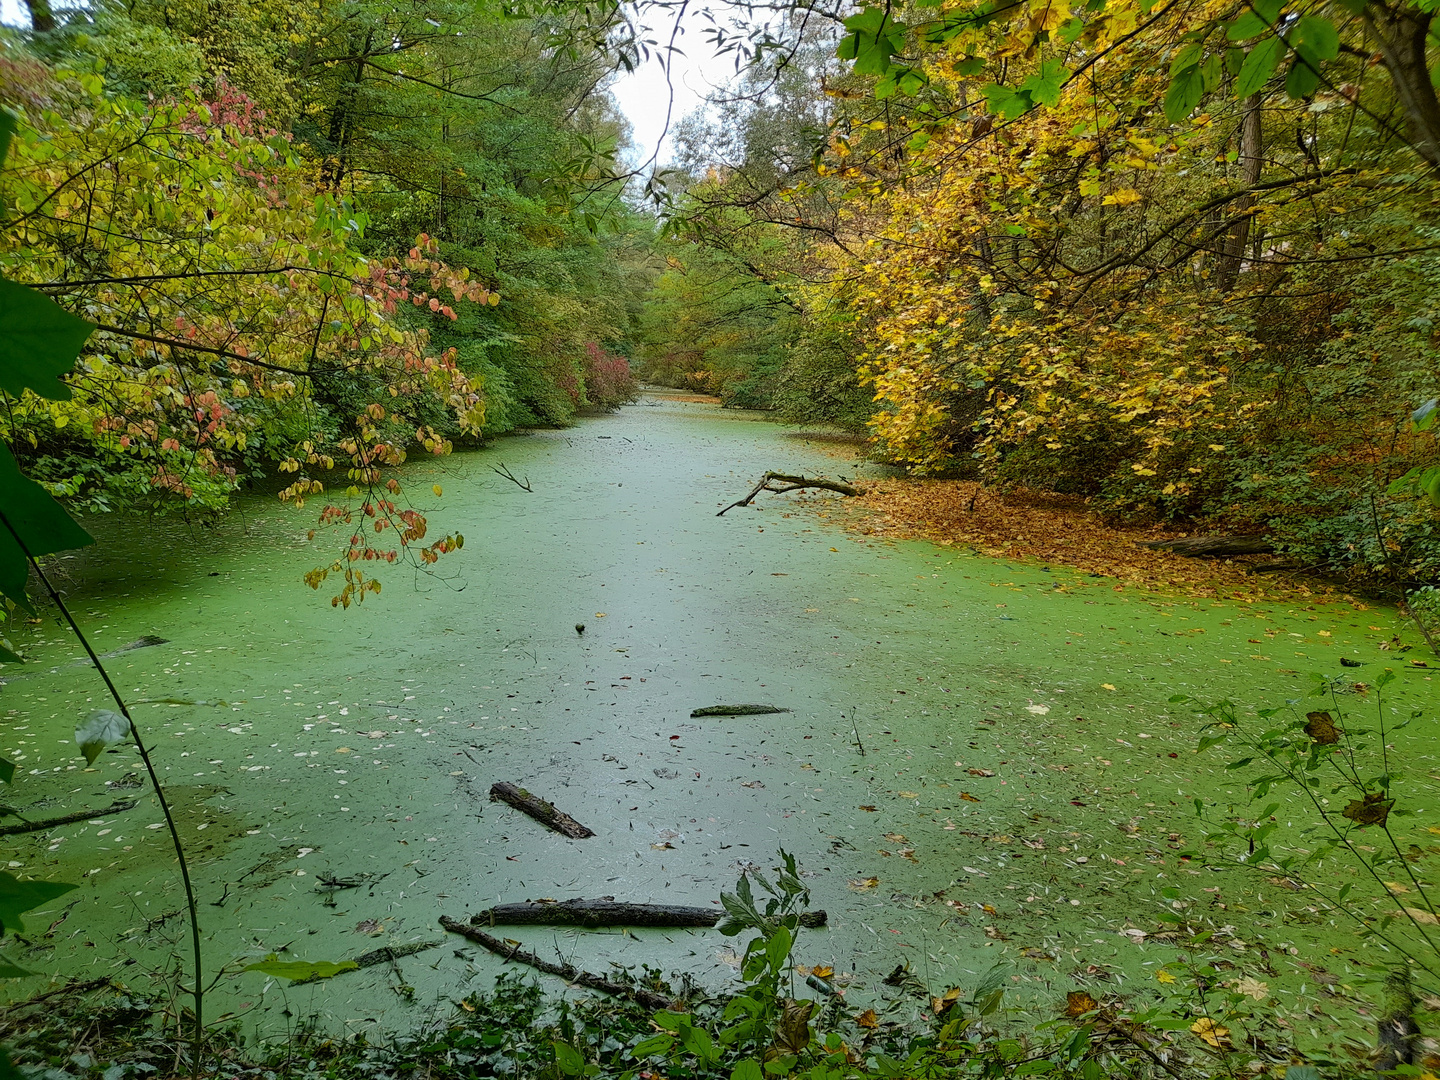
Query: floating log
x=1195, y=547
x=737, y=710
x=540, y=810
x=568, y=972
x=609, y=912
x=392, y=952
x=68, y=819
x=793, y=483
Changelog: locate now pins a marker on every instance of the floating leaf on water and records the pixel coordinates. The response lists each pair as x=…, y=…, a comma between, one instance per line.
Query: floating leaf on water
x=1252, y=988
x=979, y=772
x=868, y=1019
x=861, y=884
x=1164, y=976
x=870, y=809
x=1373, y=810
x=1078, y=1003
x=944, y=1004
x=1320, y=726
x=1209, y=1031
x=1423, y=917
x=968, y=797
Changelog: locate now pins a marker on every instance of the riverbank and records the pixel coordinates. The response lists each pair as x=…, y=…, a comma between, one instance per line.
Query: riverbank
x=1062, y=530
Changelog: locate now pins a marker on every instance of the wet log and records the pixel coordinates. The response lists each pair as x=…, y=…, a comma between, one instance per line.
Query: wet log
x=609, y=912
x=737, y=710
x=569, y=972
x=793, y=483
x=540, y=810
x=1196, y=547
x=68, y=819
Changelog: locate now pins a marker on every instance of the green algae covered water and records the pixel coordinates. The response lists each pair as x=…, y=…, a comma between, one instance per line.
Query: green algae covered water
x=980, y=764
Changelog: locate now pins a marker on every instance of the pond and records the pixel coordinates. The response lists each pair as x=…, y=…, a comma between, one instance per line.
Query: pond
x=980, y=765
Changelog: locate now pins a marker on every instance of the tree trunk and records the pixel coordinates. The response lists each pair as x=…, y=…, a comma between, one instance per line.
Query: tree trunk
x=42, y=17
x=1402, y=33
x=342, y=119
x=1251, y=152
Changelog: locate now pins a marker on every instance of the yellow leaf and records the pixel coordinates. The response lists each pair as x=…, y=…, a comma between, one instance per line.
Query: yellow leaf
x=436, y=488
x=1423, y=917
x=1106, y=686
x=1211, y=1032
x=1123, y=197
x=1165, y=976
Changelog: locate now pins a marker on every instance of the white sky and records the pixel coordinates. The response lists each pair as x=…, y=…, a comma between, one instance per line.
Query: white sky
x=643, y=94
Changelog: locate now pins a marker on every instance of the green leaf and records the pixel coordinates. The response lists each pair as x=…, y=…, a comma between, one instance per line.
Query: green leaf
x=1184, y=94
x=18, y=896
x=1045, y=85
x=1301, y=80
x=1211, y=70
x=40, y=521
x=8, y=655
x=1302, y=1072
x=749, y=1069
x=39, y=341
x=7, y=770
x=1316, y=38
x=1004, y=102
x=570, y=1060
x=300, y=970
x=101, y=729
x=1259, y=66
x=1187, y=57
x=1262, y=16
x=10, y=971
x=655, y=1044
x=1071, y=31
x=971, y=65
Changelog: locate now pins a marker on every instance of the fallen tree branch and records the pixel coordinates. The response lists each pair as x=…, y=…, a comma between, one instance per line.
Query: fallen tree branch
x=540, y=810
x=737, y=710
x=609, y=912
x=568, y=972
x=68, y=819
x=1195, y=547
x=793, y=483
x=504, y=471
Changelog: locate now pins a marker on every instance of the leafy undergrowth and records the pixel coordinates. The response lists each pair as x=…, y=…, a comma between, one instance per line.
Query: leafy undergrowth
x=99, y=1030
x=1058, y=529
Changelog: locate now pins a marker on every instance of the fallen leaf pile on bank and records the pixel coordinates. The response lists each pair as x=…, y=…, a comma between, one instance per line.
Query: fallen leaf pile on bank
x=1052, y=528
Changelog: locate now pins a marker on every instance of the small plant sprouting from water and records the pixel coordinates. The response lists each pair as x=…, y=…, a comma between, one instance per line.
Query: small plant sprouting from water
x=1345, y=776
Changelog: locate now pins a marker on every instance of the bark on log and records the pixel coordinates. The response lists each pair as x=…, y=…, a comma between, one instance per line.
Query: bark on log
x=1201, y=546
x=605, y=912
x=568, y=972
x=540, y=810
x=67, y=819
x=793, y=483
x=737, y=710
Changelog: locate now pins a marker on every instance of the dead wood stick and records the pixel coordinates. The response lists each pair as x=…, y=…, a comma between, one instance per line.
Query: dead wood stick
x=392, y=952
x=607, y=912
x=68, y=819
x=737, y=710
x=540, y=810
x=1196, y=547
x=568, y=972
x=793, y=483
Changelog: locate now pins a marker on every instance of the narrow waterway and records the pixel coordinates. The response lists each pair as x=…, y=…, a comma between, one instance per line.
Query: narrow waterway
x=980, y=764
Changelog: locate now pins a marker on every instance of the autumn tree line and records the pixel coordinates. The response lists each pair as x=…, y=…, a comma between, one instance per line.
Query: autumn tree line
x=312, y=239
x=1180, y=258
